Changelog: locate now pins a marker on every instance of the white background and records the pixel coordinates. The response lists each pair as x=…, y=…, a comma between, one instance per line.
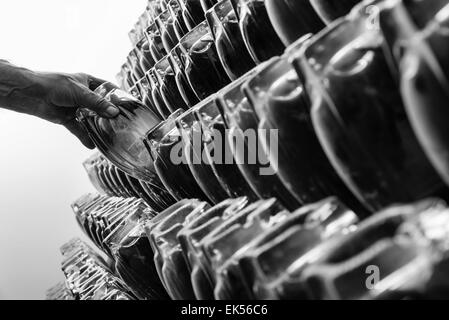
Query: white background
x=40, y=163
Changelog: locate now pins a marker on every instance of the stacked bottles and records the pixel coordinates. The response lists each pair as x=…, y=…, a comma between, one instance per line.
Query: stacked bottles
x=115, y=226
x=227, y=46
x=238, y=250
x=110, y=180
x=359, y=115
x=88, y=276
x=214, y=241
x=240, y=32
x=241, y=250
x=418, y=42
x=257, y=136
x=312, y=123
x=403, y=247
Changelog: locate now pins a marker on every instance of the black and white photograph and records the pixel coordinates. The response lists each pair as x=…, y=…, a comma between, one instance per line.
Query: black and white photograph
x=218, y=156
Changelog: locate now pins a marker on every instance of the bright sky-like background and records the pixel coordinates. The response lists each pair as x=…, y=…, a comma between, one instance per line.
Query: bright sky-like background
x=41, y=169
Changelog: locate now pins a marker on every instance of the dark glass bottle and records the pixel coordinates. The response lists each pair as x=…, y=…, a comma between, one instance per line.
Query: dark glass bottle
x=158, y=194
x=260, y=37
x=135, y=188
x=165, y=24
x=292, y=19
x=135, y=91
x=146, y=60
x=134, y=263
x=133, y=62
x=156, y=95
x=128, y=77
x=179, y=25
x=186, y=91
x=168, y=87
x=155, y=40
x=231, y=48
x=119, y=189
x=192, y=12
x=107, y=180
x=165, y=147
x=146, y=97
x=415, y=36
x=202, y=65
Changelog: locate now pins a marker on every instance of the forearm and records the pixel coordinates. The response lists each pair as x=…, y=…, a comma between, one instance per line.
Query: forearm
x=18, y=88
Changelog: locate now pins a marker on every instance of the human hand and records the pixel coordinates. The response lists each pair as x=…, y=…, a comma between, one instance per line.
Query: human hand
x=62, y=94
x=53, y=96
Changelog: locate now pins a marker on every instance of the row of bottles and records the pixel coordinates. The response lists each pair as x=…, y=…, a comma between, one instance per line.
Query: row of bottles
x=242, y=250
x=346, y=122
x=352, y=109
x=114, y=225
x=88, y=276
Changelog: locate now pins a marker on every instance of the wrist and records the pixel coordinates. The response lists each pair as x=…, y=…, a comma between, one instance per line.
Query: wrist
x=19, y=88
x=35, y=84
x=15, y=81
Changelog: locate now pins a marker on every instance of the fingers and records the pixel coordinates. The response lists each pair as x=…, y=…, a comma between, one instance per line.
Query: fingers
x=75, y=128
x=75, y=90
x=86, y=98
